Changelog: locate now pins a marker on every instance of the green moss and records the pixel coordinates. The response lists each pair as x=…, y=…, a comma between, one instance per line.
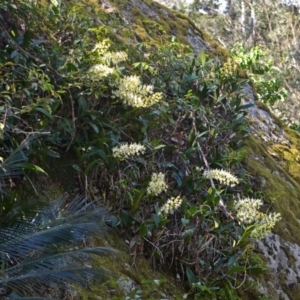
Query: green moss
x=289, y=156
x=280, y=189
x=139, y=270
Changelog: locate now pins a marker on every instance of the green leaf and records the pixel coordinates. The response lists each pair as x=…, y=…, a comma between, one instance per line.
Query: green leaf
x=202, y=58
x=245, y=236
x=159, y=146
x=136, y=200
x=82, y=105
x=200, y=186
x=188, y=182
x=184, y=222
x=27, y=39
x=126, y=218
x=216, y=224
x=233, y=259
x=190, y=276
x=53, y=153
x=188, y=152
x=237, y=269
x=213, y=197
x=244, y=106
x=157, y=220
x=31, y=167
x=192, y=211
x=13, y=6
x=225, y=227
x=44, y=112
x=177, y=177
x=191, y=136
x=159, y=281
x=137, y=64
x=169, y=149
x=71, y=67
x=143, y=230
x=95, y=151
x=219, y=262
x=256, y=270
x=77, y=168
x=94, y=126
x=91, y=165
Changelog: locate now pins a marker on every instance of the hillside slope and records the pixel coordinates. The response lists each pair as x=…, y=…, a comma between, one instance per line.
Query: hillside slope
x=152, y=119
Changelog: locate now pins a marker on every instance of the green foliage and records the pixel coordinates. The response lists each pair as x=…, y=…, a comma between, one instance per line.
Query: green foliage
x=48, y=248
x=262, y=24
x=295, y=126
x=183, y=109
x=194, y=232
x=262, y=72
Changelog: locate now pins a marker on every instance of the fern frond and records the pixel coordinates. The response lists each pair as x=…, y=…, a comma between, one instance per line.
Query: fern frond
x=49, y=248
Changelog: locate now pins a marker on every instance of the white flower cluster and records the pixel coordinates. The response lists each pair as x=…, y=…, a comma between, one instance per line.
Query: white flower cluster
x=170, y=206
x=247, y=213
x=100, y=71
x=102, y=46
x=223, y=176
x=135, y=94
x=114, y=57
x=157, y=184
x=126, y=150
x=106, y=58
x=266, y=225
x=199, y=169
x=247, y=210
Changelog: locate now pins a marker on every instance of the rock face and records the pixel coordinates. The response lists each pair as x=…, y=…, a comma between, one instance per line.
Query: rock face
x=283, y=259
x=173, y=23
x=262, y=123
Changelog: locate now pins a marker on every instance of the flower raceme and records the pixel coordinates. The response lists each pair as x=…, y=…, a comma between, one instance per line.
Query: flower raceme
x=114, y=57
x=247, y=213
x=130, y=88
x=266, y=225
x=100, y=71
x=171, y=205
x=133, y=93
x=126, y=150
x=247, y=210
x=106, y=56
x=222, y=176
x=157, y=184
x=105, y=60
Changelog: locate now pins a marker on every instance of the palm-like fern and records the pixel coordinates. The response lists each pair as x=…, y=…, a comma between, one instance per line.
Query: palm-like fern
x=13, y=162
x=47, y=251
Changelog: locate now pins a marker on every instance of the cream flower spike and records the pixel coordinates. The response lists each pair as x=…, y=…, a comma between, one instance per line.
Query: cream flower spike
x=126, y=150
x=133, y=93
x=171, y=205
x=157, y=184
x=222, y=176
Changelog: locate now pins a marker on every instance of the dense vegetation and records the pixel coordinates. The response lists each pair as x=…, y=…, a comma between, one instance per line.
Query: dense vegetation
x=272, y=26
x=155, y=133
